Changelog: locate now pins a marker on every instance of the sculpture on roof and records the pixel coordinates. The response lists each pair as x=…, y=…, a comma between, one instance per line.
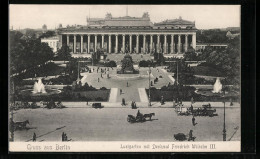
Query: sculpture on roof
x=146, y=15
x=108, y=16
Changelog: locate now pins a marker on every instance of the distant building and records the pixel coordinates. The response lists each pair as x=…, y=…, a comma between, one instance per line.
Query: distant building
x=130, y=35
x=52, y=42
x=229, y=35
x=44, y=28
x=202, y=46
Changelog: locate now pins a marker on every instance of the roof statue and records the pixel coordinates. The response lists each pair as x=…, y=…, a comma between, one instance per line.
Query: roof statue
x=108, y=16
x=146, y=15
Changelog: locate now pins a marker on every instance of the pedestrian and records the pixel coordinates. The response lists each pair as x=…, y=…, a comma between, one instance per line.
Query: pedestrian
x=231, y=102
x=98, y=79
x=62, y=136
x=193, y=121
x=127, y=84
x=101, y=75
x=123, y=101
x=34, y=137
x=120, y=91
x=191, y=108
x=162, y=100
x=134, y=104
x=192, y=100
x=190, y=135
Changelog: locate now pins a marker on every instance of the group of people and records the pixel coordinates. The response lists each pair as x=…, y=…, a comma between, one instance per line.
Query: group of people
x=133, y=104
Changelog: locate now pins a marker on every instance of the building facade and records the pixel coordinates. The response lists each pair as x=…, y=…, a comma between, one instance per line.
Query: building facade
x=52, y=42
x=129, y=35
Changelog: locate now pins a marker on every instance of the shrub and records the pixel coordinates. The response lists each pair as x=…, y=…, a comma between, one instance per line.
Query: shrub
x=99, y=99
x=103, y=88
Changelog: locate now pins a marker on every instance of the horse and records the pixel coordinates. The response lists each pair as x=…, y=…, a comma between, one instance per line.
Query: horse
x=149, y=115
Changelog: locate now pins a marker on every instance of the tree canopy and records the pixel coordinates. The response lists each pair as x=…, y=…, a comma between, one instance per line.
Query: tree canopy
x=27, y=53
x=64, y=53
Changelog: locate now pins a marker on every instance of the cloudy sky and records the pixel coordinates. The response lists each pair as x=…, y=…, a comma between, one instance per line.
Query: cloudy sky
x=205, y=16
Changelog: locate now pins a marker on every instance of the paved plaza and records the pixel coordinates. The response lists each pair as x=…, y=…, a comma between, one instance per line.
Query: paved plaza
x=130, y=92
x=110, y=124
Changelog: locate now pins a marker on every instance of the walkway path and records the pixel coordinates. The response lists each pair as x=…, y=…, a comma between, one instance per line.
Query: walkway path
x=113, y=95
x=143, y=95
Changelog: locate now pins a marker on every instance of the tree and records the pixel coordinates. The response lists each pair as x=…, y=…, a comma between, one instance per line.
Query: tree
x=47, y=34
x=190, y=55
x=226, y=60
x=64, y=53
x=27, y=53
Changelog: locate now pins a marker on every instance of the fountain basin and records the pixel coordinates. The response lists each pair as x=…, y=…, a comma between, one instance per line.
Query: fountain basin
x=209, y=92
x=48, y=92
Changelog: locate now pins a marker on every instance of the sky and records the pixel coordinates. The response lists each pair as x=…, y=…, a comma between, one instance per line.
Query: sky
x=205, y=16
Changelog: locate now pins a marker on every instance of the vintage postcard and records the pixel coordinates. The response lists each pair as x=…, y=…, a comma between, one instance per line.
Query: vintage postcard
x=124, y=78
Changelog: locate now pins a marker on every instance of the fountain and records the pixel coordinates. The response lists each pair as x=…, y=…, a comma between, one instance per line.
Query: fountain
x=217, y=86
x=38, y=87
x=39, y=90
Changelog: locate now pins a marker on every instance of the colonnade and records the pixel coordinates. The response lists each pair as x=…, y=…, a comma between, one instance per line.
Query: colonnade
x=136, y=43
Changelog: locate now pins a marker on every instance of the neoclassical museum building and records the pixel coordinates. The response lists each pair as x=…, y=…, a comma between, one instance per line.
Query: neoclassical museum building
x=129, y=35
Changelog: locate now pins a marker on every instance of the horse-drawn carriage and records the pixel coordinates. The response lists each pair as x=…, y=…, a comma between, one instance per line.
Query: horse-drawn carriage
x=139, y=117
x=24, y=105
x=20, y=125
x=205, y=110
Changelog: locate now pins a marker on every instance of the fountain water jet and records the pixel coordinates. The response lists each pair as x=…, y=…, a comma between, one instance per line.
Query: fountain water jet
x=38, y=87
x=217, y=86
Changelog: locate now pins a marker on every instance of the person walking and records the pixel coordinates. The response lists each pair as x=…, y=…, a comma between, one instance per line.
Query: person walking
x=127, y=83
x=98, y=79
x=190, y=135
x=193, y=121
x=34, y=137
x=62, y=136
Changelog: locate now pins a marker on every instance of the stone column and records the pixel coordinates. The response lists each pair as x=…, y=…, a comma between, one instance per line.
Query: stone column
x=151, y=43
x=95, y=43
x=186, y=43
x=144, y=41
x=123, y=43
x=116, y=51
x=68, y=40
x=172, y=44
x=130, y=43
x=194, y=41
x=109, y=43
x=137, y=43
x=158, y=43
x=74, y=50
x=179, y=43
x=88, y=43
x=165, y=44
x=102, y=43
x=81, y=43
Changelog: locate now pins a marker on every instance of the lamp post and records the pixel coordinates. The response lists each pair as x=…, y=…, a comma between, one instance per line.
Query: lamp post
x=12, y=115
x=78, y=74
x=149, y=104
x=224, y=125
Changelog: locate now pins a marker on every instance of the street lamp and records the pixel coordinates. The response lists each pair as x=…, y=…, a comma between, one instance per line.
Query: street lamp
x=149, y=104
x=224, y=125
x=78, y=74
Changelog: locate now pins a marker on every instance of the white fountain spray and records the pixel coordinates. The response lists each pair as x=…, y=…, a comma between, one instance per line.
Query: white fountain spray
x=39, y=87
x=217, y=86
